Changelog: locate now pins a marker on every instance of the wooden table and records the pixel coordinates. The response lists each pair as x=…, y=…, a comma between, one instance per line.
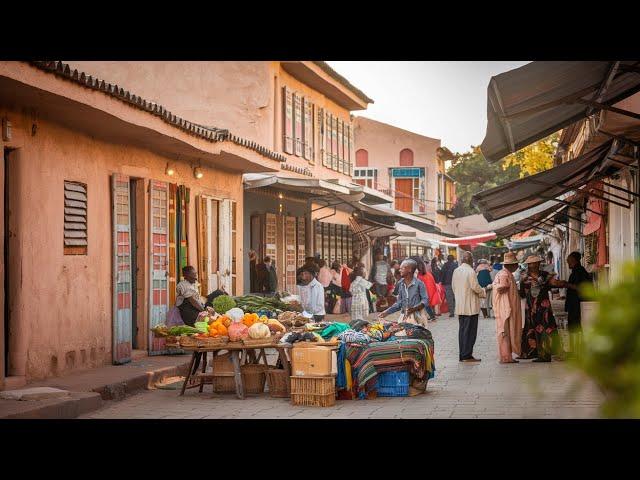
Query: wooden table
x=199, y=355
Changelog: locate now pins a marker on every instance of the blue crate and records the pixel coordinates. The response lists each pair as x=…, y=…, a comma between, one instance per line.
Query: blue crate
x=393, y=384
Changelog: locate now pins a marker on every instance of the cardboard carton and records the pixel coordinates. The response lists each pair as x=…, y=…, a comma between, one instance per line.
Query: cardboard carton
x=311, y=360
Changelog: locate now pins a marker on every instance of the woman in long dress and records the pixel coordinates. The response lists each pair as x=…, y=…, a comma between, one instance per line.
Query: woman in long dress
x=358, y=288
x=540, y=338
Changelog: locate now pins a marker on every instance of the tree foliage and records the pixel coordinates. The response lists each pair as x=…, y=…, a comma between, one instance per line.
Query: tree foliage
x=534, y=158
x=473, y=173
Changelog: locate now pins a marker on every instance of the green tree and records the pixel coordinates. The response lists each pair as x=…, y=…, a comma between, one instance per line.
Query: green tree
x=534, y=158
x=473, y=173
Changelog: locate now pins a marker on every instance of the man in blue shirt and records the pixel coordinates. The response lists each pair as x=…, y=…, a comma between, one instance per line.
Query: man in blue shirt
x=412, y=294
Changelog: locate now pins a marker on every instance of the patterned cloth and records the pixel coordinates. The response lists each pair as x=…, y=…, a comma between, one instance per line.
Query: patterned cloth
x=359, y=302
x=351, y=336
x=367, y=361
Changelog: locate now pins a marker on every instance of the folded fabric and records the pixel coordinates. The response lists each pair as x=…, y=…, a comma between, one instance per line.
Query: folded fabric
x=351, y=336
x=334, y=329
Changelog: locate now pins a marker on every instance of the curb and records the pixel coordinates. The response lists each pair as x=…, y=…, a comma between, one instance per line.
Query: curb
x=81, y=403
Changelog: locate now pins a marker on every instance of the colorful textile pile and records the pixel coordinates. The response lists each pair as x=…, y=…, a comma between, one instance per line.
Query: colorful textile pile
x=334, y=329
x=367, y=361
x=351, y=336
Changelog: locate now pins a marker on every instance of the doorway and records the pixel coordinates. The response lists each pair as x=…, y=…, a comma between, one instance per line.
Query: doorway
x=404, y=194
x=6, y=311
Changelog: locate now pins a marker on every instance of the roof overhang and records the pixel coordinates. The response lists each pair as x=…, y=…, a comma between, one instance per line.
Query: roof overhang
x=534, y=190
x=310, y=187
x=531, y=102
x=401, y=218
x=108, y=119
x=324, y=79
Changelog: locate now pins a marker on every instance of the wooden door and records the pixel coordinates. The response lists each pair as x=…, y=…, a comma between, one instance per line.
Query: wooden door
x=122, y=323
x=290, y=255
x=225, y=246
x=158, y=262
x=213, y=244
x=404, y=194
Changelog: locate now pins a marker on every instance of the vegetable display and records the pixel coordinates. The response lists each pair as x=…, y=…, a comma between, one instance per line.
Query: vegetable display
x=183, y=330
x=258, y=304
x=223, y=303
x=259, y=330
x=238, y=331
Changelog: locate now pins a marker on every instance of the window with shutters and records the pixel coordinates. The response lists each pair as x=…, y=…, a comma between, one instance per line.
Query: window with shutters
x=75, y=218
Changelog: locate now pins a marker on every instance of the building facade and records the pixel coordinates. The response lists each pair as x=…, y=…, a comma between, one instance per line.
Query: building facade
x=406, y=166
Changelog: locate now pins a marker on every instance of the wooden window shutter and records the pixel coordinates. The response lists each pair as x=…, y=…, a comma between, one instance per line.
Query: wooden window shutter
x=345, y=149
x=323, y=137
x=351, y=150
x=307, y=129
x=287, y=99
x=75, y=218
x=301, y=241
x=334, y=143
x=340, y=148
x=297, y=124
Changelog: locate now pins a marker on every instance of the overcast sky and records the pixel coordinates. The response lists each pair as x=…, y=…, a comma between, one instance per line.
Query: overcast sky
x=445, y=100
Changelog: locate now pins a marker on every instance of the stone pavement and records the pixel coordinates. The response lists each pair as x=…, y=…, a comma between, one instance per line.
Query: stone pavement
x=459, y=390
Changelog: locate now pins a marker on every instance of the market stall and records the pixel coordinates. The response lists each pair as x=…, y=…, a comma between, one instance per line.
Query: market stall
x=316, y=362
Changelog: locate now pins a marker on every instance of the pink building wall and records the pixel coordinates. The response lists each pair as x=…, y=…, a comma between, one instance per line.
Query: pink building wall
x=62, y=305
x=384, y=143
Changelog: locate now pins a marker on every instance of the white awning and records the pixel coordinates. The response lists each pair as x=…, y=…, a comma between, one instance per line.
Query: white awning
x=312, y=187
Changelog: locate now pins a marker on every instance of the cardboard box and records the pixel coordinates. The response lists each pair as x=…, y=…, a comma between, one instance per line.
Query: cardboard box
x=313, y=360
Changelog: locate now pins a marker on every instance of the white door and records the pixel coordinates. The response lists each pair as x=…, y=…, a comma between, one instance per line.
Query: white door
x=213, y=247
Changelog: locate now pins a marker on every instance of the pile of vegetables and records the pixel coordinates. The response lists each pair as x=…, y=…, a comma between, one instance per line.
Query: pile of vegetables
x=263, y=305
x=223, y=303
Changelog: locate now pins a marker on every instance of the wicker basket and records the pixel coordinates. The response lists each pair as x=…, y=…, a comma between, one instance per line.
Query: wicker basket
x=224, y=383
x=257, y=341
x=313, y=391
x=187, y=341
x=279, y=383
x=254, y=377
x=222, y=364
x=212, y=341
x=172, y=341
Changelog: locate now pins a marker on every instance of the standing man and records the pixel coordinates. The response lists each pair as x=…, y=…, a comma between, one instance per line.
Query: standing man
x=379, y=273
x=579, y=276
x=506, y=308
x=467, y=292
x=272, y=276
x=447, y=276
x=311, y=293
x=412, y=295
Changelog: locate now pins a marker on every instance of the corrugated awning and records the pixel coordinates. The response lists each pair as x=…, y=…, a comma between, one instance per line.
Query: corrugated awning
x=402, y=218
x=534, y=190
x=525, y=242
x=531, y=102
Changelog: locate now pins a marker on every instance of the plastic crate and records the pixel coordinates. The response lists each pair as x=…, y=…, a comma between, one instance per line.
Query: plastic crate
x=393, y=384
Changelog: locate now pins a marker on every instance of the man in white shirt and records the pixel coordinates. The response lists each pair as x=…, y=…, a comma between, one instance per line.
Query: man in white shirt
x=188, y=299
x=468, y=293
x=311, y=294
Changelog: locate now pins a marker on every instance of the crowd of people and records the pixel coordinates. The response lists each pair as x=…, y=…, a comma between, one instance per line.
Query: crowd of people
x=516, y=294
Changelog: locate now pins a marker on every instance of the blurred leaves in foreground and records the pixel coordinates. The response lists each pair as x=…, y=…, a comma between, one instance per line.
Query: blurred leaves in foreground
x=610, y=353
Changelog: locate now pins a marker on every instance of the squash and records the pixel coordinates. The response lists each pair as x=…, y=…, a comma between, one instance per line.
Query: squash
x=264, y=319
x=238, y=331
x=259, y=330
x=222, y=330
x=275, y=326
x=248, y=320
x=226, y=321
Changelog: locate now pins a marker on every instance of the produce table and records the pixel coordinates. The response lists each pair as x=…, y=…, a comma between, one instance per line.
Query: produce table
x=199, y=355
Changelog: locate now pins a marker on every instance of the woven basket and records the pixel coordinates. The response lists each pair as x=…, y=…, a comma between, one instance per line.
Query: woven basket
x=188, y=341
x=258, y=341
x=222, y=364
x=279, y=383
x=313, y=391
x=172, y=341
x=254, y=377
x=212, y=341
x=224, y=384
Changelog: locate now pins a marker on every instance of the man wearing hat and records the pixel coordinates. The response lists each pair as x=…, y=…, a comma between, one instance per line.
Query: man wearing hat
x=311, y=293
x=507, y=310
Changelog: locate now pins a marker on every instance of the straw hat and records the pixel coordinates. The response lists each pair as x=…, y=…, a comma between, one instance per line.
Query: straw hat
x=510, y=259
x=533, y=259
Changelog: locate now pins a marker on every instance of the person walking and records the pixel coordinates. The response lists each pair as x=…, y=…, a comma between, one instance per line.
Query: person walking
x=468, y=293
x=540, y=337
x=378, y=275
x=507, y=311
x=447, y=276
x=412, y=296
x=430, y=284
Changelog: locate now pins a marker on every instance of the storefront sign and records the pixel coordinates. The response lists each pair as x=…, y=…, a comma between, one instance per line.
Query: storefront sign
x=407, y=172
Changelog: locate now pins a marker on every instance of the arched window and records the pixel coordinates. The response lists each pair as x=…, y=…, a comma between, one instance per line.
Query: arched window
x=362, y=158
x=406, y=158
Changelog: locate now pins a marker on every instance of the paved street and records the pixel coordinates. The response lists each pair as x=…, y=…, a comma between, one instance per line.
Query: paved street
x=485, y=390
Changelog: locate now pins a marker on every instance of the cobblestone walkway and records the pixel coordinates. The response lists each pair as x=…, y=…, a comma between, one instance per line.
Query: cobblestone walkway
x=459, y=390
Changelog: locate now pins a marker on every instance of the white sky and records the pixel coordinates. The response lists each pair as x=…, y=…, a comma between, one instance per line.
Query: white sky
x=445, y=100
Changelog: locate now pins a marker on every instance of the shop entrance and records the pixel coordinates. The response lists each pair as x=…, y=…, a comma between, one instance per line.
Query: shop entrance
x=4, y=297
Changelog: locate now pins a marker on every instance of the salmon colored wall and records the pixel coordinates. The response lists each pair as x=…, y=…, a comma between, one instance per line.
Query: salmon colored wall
x=385, y=142
x=244, y=97
x=63, y=304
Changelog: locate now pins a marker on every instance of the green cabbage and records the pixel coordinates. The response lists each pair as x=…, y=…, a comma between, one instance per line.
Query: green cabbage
x=223, y=303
